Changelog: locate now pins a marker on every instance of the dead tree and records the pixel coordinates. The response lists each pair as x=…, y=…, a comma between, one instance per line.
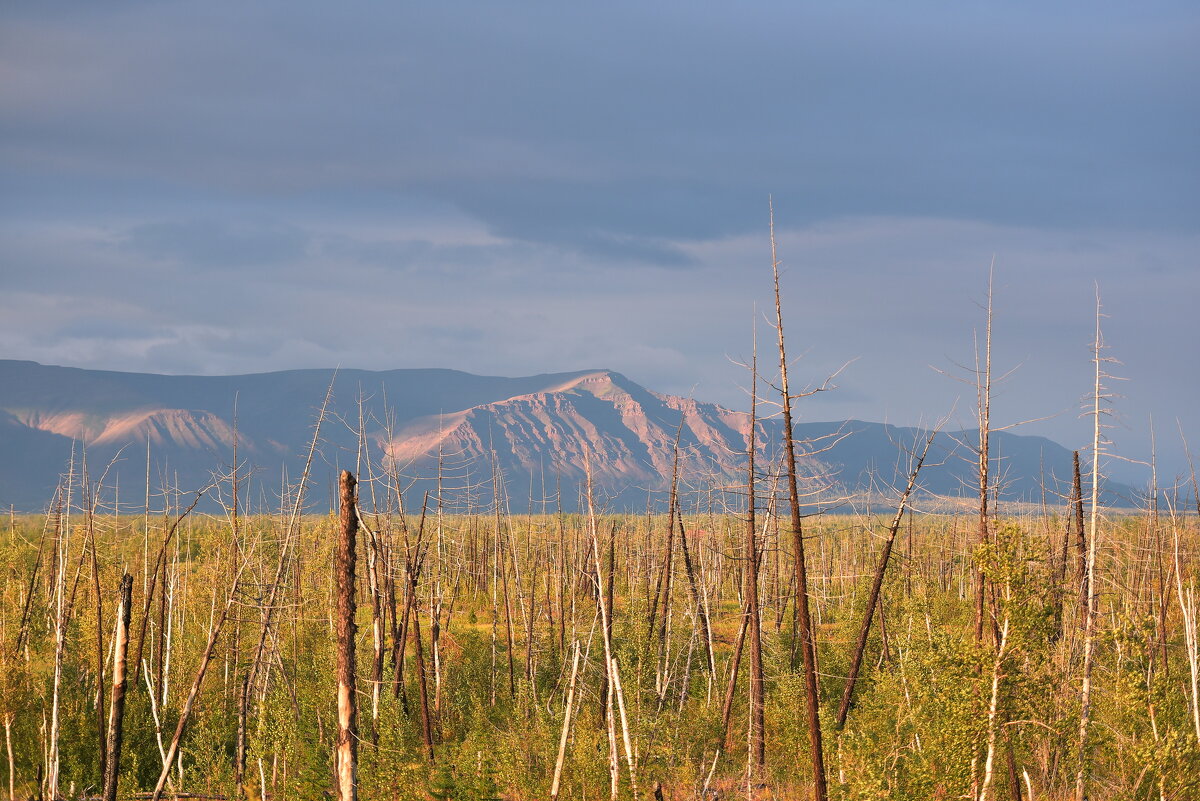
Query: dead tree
x=427, y=736
x=283, y=563
x=159, y=567
x=205, y=658
x=612, y=670
x=807, y=643
x=697, y=598
x=1081, y=569
x=662, y=592
x=758, y=743
x=984, y=409
x=116, y=715
x=346, y=756
x=1100, y=406
x=873, y=599
x=566, y=729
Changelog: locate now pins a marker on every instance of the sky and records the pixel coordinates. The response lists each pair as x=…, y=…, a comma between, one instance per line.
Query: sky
x=526, y=187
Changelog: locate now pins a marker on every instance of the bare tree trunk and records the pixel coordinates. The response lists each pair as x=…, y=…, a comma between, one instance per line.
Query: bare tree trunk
x=994, y=714
x=159, y=567
x=12, y=775
x=116, y=713
x=268, y=609
x=377, y=635
x=1089, y=636
x=667, y=572
x=735, y=661
x=697, y=600
x=243, y=711
x=1060, y=600
x=985, y=413
x=1191, y=640
x=873, y=599
x=610, y=662
x=346, y=755
x=422, y=681
x=194, y=692
x=758, y=744
x=807, y=641
x=90, y=501
x=1080, y=537
x=566, y=729
x=61, y=550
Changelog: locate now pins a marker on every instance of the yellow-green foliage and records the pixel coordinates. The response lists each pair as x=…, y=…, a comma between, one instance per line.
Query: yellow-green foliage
x=916, y=730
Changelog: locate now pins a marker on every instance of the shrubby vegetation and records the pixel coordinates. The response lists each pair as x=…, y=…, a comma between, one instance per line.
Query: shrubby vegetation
x=502, y=601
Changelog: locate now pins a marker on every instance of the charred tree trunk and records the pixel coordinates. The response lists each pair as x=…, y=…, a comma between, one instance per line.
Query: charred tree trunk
x=758, y=743
x=984, y=389
x=1081, y=547
x=804, y=619
x=347, y=739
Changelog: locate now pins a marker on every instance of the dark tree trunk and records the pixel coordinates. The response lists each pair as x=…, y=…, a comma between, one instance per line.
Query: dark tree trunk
x=1080, y=537
x=758, y=743
x=347, y=738
x=804, y=619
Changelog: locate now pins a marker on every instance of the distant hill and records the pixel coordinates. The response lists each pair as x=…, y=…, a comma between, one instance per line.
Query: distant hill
x=532, y=431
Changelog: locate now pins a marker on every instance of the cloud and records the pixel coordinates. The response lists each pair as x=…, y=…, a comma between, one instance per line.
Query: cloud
x=521, y=188
x=209, y=243
x=629, y=127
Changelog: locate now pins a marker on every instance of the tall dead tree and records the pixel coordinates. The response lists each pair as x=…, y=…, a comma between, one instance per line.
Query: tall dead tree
x=984, y=409
x=346, y=755
x=1100, y=401
x=664, y=654
x=90, y=500
x=612, y=670
x=758, y=743
x=283, y=564
x=804, y=620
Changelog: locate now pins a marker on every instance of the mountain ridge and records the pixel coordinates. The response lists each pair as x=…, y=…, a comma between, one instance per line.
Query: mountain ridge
x=464, y=428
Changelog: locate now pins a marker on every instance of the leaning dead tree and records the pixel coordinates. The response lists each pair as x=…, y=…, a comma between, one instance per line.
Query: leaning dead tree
x=283, y=564
x=877, y=585
x=807, y=644
x=612, y=669
x=206, y=657
x=346, y=756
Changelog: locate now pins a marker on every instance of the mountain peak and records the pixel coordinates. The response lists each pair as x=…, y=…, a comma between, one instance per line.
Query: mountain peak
x=541, y=426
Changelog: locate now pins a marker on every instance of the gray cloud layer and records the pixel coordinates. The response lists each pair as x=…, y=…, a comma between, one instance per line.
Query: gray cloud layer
x=512, y=188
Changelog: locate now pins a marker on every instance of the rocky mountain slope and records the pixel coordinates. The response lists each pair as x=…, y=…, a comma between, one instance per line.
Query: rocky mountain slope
x=536, y=432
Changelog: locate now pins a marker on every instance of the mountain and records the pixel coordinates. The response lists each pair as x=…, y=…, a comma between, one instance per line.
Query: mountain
x=537, y=432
